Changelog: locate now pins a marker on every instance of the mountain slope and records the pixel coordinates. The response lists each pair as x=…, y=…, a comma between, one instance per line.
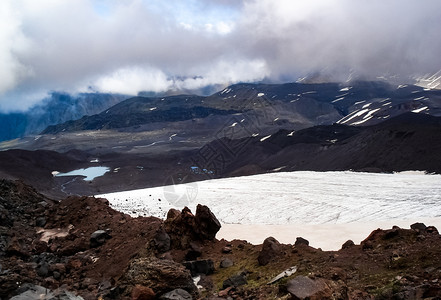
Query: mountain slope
x=279, y=106
x=57, y=108
x=408, y=142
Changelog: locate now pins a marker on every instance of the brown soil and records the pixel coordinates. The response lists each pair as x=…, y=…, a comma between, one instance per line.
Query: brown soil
x=389, y=264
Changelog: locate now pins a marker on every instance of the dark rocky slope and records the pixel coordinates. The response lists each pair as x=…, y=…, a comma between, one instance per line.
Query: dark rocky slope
x=54, y=250
x=407, y=142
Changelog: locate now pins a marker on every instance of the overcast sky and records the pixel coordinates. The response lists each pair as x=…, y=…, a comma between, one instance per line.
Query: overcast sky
x=156, y=45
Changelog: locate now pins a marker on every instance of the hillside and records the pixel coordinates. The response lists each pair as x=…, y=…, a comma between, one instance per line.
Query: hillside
x=82, y=246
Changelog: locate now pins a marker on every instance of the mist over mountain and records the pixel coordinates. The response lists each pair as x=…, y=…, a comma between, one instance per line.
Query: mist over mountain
x=57, y=108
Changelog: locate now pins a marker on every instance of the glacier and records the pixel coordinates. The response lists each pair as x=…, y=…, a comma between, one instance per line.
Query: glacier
x=298, y=199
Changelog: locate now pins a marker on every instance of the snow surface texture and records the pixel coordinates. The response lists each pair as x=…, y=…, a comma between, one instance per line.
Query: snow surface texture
x=295, y=198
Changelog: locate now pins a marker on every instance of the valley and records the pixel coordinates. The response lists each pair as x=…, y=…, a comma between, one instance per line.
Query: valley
x=160, y=183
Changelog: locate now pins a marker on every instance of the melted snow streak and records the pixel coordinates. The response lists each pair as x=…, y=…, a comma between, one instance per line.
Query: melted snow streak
x=296, y=197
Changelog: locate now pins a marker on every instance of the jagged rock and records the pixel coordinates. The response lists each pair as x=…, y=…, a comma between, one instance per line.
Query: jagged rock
x=185, y=227
x=17, y=247
x=270, y=250
x=388, y=234
x=226, y=263
x=204, y=282
x=161, y=276
x=418, y=227
x=161, y=241
x=172, y=213
x=205, y=266
x=40, y=222
x=301, y=241
x=98, y=238
x=303, y=287
x=432, y=230
x=348, y=244
x=178, y=294
x=235, y=281
x=180, y=228
x=35, y=292
x=207, y=225
x=227, y=250
x=194, y=252
x=43, y=269
x=140, y=292
x=367, y=245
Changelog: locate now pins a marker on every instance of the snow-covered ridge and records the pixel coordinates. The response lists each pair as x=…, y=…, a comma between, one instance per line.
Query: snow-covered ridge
x=295, y=197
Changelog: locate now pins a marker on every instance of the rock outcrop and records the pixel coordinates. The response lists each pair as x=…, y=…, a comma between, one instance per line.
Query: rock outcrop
x=161, y=276
x=184, y=227
x=270, y=250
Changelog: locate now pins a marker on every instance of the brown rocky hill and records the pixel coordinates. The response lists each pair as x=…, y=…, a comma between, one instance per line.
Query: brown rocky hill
x=80, y=248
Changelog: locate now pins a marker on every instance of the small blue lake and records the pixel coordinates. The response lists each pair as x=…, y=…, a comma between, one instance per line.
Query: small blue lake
x=90, y=173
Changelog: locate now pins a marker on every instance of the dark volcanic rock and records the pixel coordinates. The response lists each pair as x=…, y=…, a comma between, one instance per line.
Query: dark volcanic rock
x=348, y=244
x=206, y=223
x=194, y=252
x=184, y=228
x=140, y=292
x=178, y=294
x=98, y=238
x=161, y=240
x=235, y=281
x=204, y=266
x=35, y=292
x=432, y=229
x=226, y=263
x=418, y=227
x=270, y=250
x=303, y=287
x=301, y=241
x=161, y=276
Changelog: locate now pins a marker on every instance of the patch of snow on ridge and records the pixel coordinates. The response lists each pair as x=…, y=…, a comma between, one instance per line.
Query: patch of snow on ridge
x=260, y=94
x=369, y=114
x=366, y=105
x=338, y=99
x=352, y=115
x=226, y=91
x=265, y=138
x=295, y=197
x=345, y=89
x=419, y=109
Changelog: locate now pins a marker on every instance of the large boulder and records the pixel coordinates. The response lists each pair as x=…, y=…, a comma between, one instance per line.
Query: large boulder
x=303, y=287
x=271, y=249
x=140, y=292
x=161, y=276
x=301, y=241
x=161, y=241
x=206, y=223
x=178, y=294
x=35, y=292
x=235, y=281
x=184, y=227
x=98, y=238
x=203, y=266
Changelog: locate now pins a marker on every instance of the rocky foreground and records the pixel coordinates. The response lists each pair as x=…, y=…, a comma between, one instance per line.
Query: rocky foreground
x=80, y=248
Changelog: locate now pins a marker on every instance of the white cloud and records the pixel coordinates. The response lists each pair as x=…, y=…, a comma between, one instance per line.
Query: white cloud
x=133, y=80
x=12, y=43
x=226, y=72
x=138, y=44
